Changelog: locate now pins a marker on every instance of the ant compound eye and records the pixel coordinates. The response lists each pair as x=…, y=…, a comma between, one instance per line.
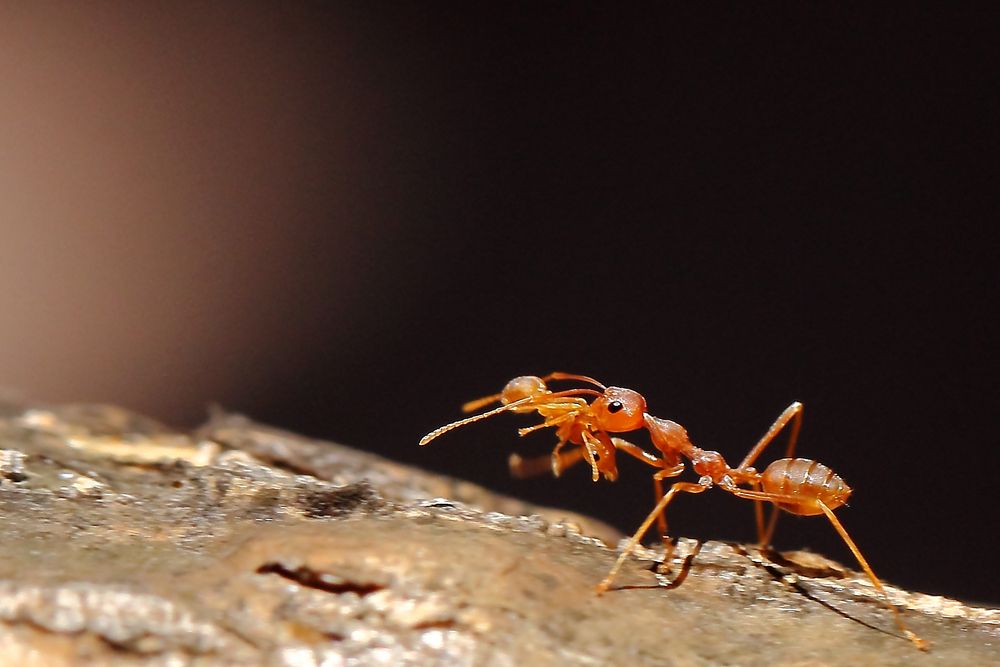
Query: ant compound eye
x=615, y=406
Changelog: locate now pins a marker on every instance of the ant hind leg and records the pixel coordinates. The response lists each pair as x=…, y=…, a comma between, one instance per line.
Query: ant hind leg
x=790, y=415
x=839, y=527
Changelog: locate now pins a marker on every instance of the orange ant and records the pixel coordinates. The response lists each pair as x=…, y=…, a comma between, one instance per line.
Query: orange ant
x=795, y=485
x=585, y=426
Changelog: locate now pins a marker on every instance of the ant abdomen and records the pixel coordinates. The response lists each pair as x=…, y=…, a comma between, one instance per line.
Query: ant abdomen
x=807, y=481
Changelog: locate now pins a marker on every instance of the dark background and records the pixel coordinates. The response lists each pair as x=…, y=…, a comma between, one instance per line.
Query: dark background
x=347, y=220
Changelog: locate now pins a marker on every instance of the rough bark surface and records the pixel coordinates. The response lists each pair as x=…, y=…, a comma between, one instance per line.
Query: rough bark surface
x=127, y=543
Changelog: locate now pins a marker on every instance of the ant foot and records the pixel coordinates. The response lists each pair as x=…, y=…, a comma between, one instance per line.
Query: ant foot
x=921, y=644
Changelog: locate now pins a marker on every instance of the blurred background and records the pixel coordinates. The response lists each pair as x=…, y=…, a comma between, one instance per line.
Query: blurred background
x=347, y=219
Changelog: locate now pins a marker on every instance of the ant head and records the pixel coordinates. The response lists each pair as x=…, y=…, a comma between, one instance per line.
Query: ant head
x=524, y=386
x=619, y=410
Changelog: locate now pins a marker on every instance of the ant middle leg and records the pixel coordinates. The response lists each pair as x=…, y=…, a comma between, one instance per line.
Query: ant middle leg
x=661, y=518
x=658, y=510
x=673, y=470
x=556, y=463
x=790, y=415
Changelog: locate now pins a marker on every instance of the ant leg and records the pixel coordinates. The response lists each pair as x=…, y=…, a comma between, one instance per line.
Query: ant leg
x=558, y=416
x=556, y=455
x=792, y=414
x=661, y=518
x=656, y=462
x=637, y=452
x=602, y=455
x=758, y=517
x=531, y=429
x=920, y=643
x=661, y=506
x=608, y=461
x=522, y=468
x=565, y=410
x=548, y=423
x=570, y=376
x=839, y=527
x=589, y=454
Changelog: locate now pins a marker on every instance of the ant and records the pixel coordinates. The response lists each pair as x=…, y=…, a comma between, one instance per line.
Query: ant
x=795, y=485
x=585, y=426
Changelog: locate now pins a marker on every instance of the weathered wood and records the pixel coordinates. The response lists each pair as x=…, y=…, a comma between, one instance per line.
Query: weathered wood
x=127, y=543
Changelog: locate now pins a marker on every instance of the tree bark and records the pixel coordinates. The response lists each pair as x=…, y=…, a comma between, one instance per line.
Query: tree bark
x=128, y=543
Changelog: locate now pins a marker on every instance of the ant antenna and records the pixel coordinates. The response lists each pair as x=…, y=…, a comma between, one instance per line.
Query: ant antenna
x=436, y=433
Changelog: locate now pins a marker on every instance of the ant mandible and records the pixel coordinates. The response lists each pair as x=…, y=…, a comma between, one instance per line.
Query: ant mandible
x=795, y=485
x=585, y=426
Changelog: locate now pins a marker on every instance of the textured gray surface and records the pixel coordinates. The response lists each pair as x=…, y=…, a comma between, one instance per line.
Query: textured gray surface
x=126, y=543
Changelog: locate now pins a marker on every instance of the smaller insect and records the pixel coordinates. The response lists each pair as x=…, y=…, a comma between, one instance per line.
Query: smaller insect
x=795, y=485
x=583, y=427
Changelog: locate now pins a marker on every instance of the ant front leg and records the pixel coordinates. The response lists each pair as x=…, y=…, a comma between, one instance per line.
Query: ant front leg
x=637, y=452
x=601, y=453
x=792, y=414
x=658, y=510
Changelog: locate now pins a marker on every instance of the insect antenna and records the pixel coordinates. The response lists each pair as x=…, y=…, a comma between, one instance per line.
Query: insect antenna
x=468, y=420
x=513, y=405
